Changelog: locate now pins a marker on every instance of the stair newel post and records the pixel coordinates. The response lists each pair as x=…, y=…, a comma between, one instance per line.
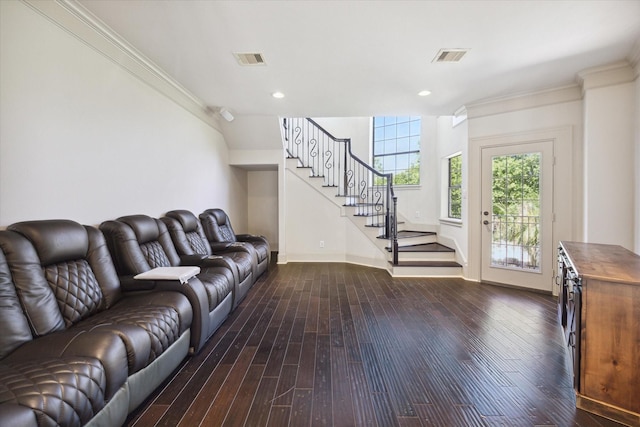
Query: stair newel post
x=387, y=219
x=394, y=227
x=345, y=176
x=336, y=173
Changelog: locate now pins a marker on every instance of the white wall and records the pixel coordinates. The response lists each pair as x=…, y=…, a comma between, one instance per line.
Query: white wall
x=356, y=128
x=83, y=138
x=610, y=140
x=262, y=205
x=609, y=165
x=314, y=216
x=452, y=140
x=311, y=218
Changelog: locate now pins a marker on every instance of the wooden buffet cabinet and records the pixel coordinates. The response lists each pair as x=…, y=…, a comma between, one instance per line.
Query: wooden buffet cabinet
x=599, y=308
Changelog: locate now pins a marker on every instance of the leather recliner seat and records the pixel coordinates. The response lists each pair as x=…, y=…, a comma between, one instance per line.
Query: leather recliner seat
x=218, y=231
x=191, y=244
x=73, y=343
x=139, y=243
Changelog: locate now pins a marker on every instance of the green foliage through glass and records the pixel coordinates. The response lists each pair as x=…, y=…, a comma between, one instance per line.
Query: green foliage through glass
x=455, y=187
x=516, y=210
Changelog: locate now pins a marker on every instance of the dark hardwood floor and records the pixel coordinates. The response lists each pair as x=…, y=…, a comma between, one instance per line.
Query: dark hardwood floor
x=344, y=345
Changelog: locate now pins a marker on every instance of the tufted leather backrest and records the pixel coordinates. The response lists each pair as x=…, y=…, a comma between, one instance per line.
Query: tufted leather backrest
x=217, y=226
x=76, y=266
x=61, y=247
x=186, y=232
x=15, y=326
x=139, y=243
x=36, y=297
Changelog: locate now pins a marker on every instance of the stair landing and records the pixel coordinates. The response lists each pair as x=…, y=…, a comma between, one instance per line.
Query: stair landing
x=420, y=254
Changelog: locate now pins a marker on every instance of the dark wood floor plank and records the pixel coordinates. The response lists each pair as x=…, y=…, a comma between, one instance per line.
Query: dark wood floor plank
x=363, y=411
x=221, y=402
x=301, y=408
x=311, y=324
x=198, y=407
x=322, y=407
x=151, y=416
x=263, y=401
x=345, y=345
x=286, y=386
x=279, y=417
x=243, y=401
x=307, y=363
x=342, y=403
x=189, y=385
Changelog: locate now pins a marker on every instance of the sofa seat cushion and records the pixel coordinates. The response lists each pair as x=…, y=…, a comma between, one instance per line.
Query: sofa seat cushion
x=243, y=261
x=218, y=286
x=161, y=323
x=61, y=392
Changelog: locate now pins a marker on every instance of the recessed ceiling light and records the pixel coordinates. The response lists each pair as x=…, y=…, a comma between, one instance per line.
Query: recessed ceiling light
x=424, y=93
x=278, y=95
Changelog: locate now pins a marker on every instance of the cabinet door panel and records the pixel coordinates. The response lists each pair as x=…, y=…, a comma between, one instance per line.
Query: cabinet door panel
x=611, y=352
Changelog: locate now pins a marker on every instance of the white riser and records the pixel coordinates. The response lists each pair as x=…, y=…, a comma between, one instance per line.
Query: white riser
x=425, y=271
x=426, y=256
x=417, y=240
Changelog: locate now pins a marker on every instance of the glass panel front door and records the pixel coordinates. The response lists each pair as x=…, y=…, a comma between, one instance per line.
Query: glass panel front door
x=516, y=211
x=517, y=215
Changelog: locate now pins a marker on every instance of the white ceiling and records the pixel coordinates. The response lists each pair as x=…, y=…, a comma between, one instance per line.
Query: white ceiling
x=364, y=58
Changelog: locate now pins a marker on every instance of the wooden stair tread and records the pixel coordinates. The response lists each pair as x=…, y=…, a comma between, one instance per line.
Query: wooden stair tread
x=426, y=264
x=405, y=234
x=426, y=247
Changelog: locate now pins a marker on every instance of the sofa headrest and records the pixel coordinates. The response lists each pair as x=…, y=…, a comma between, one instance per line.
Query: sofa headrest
x=218, y=214
x=186, y=218
x=55, y=240
x=15, y=327
x=145, y=227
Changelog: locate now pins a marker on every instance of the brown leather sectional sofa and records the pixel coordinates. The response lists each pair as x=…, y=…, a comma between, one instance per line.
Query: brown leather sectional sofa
x=83, y=342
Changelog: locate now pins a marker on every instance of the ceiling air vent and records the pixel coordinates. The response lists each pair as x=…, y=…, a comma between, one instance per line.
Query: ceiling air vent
x=450, y=55
x=250, y=58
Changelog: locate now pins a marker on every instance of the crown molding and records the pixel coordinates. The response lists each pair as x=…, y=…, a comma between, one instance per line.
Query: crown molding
x=459, y=116
x=524, y=101
x=606, y=75
x=90, y=30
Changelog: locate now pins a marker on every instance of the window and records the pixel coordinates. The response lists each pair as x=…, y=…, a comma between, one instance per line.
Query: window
x=455, y=187
x=396, y=148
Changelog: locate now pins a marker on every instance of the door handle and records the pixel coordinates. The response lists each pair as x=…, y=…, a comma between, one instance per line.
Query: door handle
x=485, y=222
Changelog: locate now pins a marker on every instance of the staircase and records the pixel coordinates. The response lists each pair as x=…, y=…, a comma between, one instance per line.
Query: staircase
x=367, y=197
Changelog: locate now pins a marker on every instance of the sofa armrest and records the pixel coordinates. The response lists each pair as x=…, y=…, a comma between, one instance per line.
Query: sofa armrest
x=195, y=259
x=205, y=261
x=195, y=292
x=129, y=284
x=211, y=261
x=219, y=246
x=251, y=237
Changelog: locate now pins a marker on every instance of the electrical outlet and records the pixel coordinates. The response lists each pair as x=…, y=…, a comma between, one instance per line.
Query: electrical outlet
x=417, y=214
x=322, y=243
